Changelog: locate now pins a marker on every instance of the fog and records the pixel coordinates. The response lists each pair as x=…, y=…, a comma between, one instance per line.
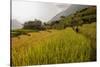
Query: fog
x=24, y=10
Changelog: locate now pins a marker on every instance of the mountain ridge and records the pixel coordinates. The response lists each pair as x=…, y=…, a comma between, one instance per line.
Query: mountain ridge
x=72, y=9
x=15, y=24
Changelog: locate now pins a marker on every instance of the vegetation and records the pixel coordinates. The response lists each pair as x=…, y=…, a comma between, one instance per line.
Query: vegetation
x=90, y=33
x=18, y=32
x=84, y=16
x=36, y=24
x=70, y=39
x=59, y=46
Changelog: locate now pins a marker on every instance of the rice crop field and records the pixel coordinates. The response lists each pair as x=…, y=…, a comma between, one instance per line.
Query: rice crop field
x=55, y=46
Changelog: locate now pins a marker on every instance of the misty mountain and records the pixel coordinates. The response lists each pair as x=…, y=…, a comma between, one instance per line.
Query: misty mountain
x=71, y=10
x=15, y=24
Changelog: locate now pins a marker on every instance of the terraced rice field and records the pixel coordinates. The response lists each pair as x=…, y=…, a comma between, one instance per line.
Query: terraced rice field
x=55, y=46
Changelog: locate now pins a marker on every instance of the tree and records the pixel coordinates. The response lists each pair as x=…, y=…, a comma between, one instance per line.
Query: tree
x=36, y=24
x=62, y=17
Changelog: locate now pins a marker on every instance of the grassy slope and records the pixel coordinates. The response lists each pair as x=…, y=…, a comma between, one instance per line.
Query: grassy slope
x=90, y=33
x=58, y=46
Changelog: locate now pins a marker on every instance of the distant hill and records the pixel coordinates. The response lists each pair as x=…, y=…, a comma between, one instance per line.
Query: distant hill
x=15, y=24
x=71, y=10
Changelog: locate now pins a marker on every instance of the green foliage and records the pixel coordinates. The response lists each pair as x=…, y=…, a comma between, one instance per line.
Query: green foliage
x=86, y=15
x=15, y=34
x=36, y=24
x=89, y=18
x=88, y=11
x=18, y=32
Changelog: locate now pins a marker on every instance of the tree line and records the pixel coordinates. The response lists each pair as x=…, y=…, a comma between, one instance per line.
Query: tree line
x=84, y=16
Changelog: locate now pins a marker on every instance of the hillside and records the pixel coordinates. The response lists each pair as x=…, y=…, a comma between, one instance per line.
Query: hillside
x=83, y=16
x=15, y=24
x=71, y=10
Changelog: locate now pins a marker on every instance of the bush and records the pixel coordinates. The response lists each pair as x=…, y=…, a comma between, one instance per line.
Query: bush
x=36, y=24
x=18, y=32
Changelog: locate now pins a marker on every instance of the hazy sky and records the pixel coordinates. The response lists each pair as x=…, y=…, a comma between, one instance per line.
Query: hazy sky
x=25, y=10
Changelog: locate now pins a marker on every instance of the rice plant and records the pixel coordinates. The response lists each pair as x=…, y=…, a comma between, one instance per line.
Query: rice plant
x=57, y=46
